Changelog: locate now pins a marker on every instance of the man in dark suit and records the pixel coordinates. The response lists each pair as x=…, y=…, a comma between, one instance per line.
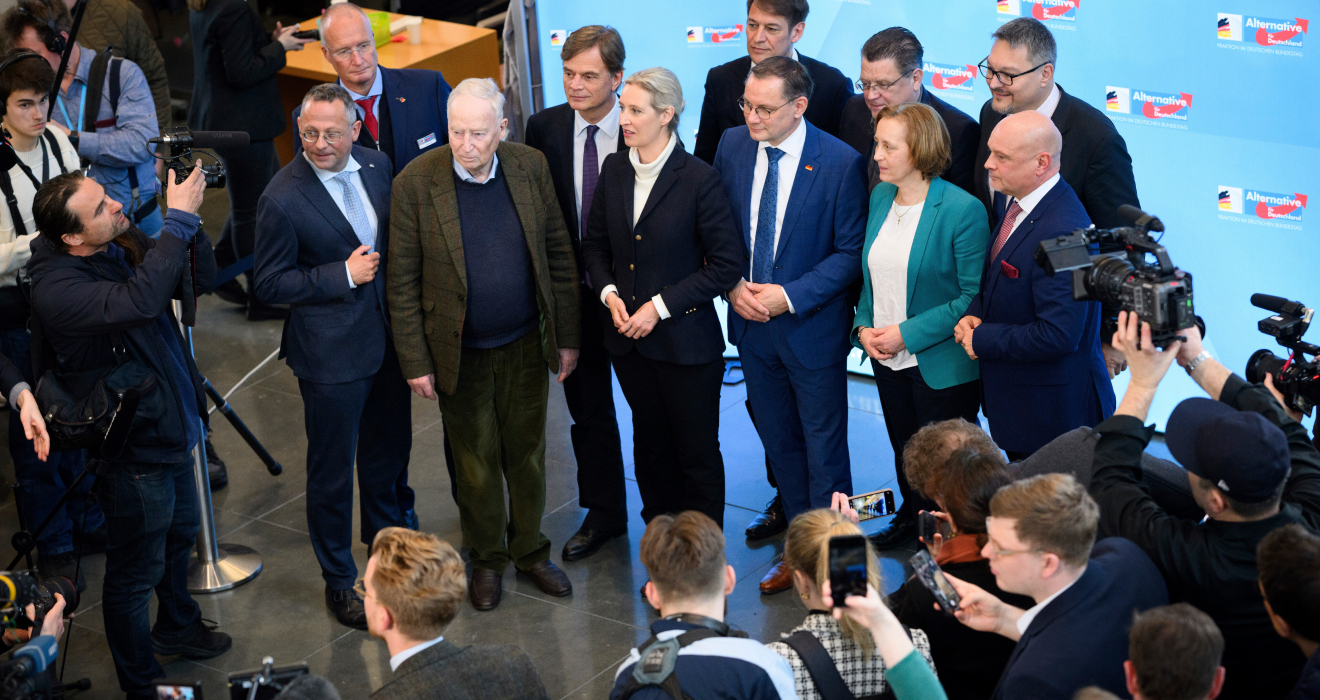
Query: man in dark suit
x=402, y=110
x=1042, y=371
x=413, y=587
x=1041, y=533
x=1096, y=164
x=773, y=26
x=799, y=196
x=575, y=138
x=891, y=75
x=322, y=228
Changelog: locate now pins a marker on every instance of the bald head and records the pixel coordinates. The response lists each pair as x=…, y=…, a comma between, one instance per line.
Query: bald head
x=345, y=11
x=1024, y=153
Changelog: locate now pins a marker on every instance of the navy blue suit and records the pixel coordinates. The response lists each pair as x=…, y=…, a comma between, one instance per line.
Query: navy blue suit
x=794, y=364
x=1081, y=637
x=1041, y=367
x=412, y=113
x=337, y=342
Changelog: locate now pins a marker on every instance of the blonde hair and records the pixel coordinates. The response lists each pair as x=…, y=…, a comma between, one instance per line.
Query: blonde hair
x=665, y=91
x=1054, y=514
x=420, y=579
x=807, y=549
x=927, y=136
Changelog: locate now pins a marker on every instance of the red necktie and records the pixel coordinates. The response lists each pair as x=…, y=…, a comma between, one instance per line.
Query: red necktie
x=370, y=118
x=1005, y=228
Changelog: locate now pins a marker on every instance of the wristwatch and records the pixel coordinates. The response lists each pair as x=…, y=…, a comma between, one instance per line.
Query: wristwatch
x=1196, y=362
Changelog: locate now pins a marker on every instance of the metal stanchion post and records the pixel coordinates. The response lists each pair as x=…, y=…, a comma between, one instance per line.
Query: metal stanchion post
x=214, y=567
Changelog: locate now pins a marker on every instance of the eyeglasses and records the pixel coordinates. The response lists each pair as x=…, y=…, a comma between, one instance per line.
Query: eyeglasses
x=360, y=49
x=880, y=87
x=1005, y=78
x=762, y=112
x=331, y=137
x=997, y=553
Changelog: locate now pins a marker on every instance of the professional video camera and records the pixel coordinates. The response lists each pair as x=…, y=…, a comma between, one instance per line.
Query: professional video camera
x=24, y=676
x=182, y=142
x=1297, y=379
x=18, y=589
x=1121, y=278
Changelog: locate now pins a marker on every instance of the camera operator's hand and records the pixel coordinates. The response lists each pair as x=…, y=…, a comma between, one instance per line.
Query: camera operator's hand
x=53, y=625
x=186, y=195
x=1278, y=396
x=362, y=265
x=1148, y=363
x=285, y=36
x=1210, y=373
x=34, y=426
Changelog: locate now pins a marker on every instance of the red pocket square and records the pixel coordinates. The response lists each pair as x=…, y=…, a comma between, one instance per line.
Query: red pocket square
x=1007, y=270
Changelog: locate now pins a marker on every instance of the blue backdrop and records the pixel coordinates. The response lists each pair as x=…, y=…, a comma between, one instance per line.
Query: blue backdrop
x=1217, y=102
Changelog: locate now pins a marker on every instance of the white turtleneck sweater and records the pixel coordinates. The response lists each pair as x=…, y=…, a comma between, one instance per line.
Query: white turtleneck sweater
x=646, y=175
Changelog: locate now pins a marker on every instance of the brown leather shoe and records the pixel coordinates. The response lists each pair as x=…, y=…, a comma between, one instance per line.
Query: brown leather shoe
x=779, y=579
x=485, y=589
x=550, y=579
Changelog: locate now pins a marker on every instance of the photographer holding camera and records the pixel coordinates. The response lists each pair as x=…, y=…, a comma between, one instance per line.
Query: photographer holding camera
x=1252, y=469
x=102, y=293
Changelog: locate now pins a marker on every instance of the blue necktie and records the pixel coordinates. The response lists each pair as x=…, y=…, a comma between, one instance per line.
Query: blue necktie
x=763, y=255
x=357, y=216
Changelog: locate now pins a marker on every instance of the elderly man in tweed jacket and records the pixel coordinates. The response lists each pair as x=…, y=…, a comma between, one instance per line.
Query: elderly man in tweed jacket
x=483, y=295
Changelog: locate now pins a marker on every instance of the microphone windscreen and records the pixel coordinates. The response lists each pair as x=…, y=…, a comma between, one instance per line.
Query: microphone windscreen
x=220, y=139
x=309, y=687
x=1269, y=302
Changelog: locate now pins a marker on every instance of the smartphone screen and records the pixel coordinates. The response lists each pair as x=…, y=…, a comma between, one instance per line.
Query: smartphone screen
x=875, y=504
x=928, y=572
x=847, y=567
x=178, y=691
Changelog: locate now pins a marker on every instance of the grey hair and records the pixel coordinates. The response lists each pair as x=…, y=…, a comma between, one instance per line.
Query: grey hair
x=335, y=9
x=332, y=92
x=1032, y=33
x=665, y=91
x=483, y=88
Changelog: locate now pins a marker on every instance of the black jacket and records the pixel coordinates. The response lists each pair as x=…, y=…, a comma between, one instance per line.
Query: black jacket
x=81, y=301
x=1308, y=688
x=684, y=247
x=724, y=87
x=1213, y=565
x=234, y=67
x=550, y=131
x=857, y=129
x=1094, y=162
x=969, y=662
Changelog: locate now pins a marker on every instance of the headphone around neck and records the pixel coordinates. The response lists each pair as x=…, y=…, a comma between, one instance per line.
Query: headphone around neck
x=52, y=37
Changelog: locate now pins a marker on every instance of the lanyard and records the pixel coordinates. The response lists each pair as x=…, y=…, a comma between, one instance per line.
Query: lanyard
x=82, y=102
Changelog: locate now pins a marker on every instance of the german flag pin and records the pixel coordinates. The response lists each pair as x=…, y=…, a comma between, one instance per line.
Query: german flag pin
x=403, y=99
x=808, y=167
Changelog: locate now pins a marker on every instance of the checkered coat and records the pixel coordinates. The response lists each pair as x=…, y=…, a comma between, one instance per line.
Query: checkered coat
x=864, y=676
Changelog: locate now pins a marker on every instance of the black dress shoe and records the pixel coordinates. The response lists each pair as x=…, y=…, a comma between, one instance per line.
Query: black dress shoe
x=550, y=579
x=589, y=540
x=347, y=607
x=232, y=292
x=485, y=589
x=771, y=521
x=200, y=641
x=900, y=530
x=258, y=311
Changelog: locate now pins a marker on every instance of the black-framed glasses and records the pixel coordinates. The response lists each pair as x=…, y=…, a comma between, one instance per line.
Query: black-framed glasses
x=1005, y=78
x=762, y=112
x=864, y=88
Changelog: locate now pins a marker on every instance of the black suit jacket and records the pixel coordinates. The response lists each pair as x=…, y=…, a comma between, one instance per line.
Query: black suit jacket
x=1094, y=162
x=724, y=87
x=449, y=672
x=550, y=131
x=234, y=67
x=857, y=129
x=685, y=247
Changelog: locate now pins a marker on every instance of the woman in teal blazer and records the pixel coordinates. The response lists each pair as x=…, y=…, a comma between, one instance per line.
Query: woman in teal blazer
x=921, y=265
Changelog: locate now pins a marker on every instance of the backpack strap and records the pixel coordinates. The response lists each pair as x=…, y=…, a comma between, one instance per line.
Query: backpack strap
x=107, y=64
x=55, y=148
x=92, y=101
x=16, y=216
x=656, y=662
x=819, y=665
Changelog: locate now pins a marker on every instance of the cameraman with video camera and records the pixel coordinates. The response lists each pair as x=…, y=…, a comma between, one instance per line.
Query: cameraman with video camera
x=1252, y=469
x=102, y=294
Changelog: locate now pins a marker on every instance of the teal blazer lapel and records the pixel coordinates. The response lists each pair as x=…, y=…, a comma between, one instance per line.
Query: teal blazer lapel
x=929, y=214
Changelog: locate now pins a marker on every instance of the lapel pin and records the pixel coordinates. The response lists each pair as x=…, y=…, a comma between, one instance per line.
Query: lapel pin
x=808, y=167
x=403, y=99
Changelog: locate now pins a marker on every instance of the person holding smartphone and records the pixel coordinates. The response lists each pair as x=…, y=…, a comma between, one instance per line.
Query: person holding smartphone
x=849, y=641
x=910, y=679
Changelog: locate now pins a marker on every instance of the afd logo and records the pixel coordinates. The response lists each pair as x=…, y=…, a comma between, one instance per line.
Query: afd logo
x=948, y=76
x=1151, y=105
x=1262, y=31
x=718, y=35
x=1040, y=9
x=1262, y=205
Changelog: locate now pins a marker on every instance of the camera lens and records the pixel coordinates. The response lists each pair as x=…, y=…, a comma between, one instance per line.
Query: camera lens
x=1261, y=363
x=46, y=591
x=1106, y=277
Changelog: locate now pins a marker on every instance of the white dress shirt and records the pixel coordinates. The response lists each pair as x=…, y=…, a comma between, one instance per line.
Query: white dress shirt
x=888, y=264
x=466, y=176
x=788, y=167
x=336, y=191
x=644, y=177
x=1028, y=203
x=1025, y=621
x=377, y=89
x=398, y=659
x=607, y=142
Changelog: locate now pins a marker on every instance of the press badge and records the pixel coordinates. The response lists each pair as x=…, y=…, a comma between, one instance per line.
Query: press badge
x=427, y=140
